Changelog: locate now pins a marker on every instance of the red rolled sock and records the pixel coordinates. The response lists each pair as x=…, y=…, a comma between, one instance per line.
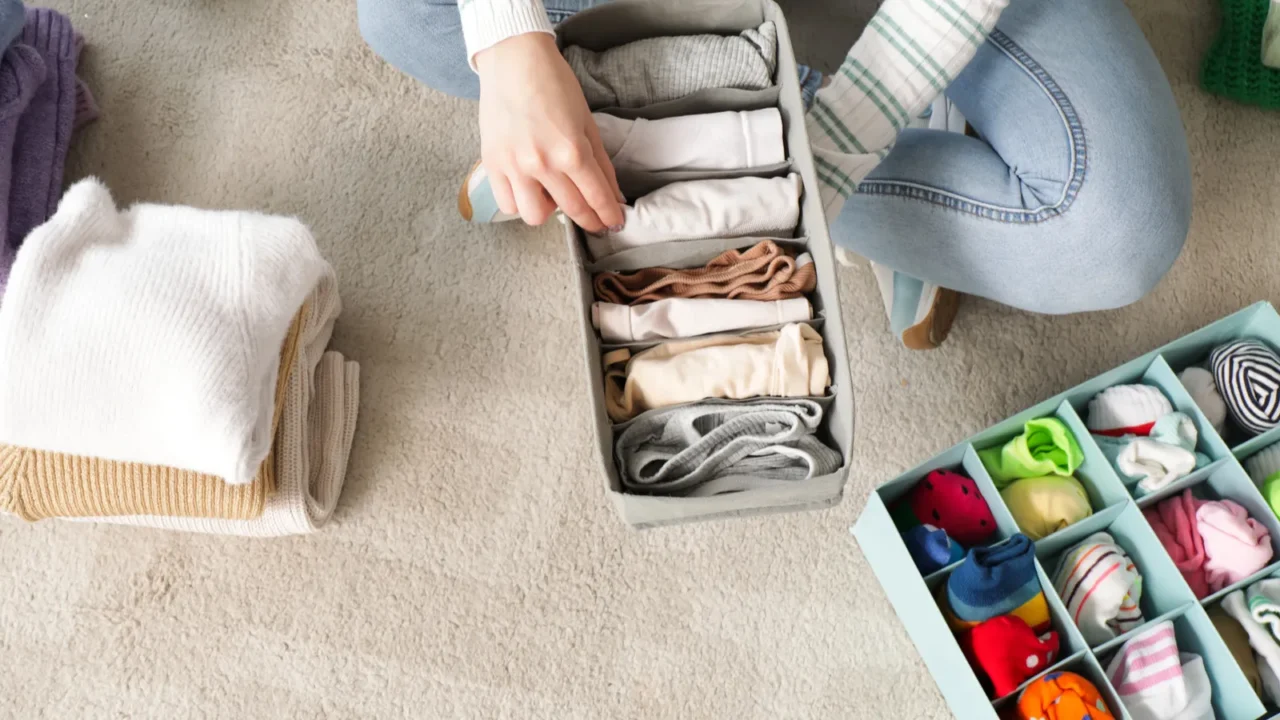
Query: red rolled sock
x=1007, y=651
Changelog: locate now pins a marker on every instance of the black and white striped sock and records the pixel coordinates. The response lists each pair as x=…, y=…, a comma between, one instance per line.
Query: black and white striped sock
x=1248, y=377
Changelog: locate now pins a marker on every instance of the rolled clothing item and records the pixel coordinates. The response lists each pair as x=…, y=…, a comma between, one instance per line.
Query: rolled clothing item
x=11, y=19
x=22, y=72
x=950, y=502
x=1042, y=506
x=731, y=140
x=1264, y=470
x=312, y=444
x=1062, y=696
x=657, y=69
x=931, y=549
x=1263, y=641
x=1101, y=588
x=1045, y=447
x=1127, y=410
x=1248, y=377
x=1007, y=651
x=765, y=271
x=37, y=485
x=683, y=317
x=996, y=580
x=1237, y=641
x=1263, y=598
x=1148, y=464
x=1156, y=682
x=1203, y=390
x=151, y=335
x=715, y=448
x=1174, y=522
x=700, y=209
x=783, y=363
x=1235, y=545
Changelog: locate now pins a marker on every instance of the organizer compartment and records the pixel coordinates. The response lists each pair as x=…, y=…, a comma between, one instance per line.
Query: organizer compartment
x=624, y=21
x=1166, y=596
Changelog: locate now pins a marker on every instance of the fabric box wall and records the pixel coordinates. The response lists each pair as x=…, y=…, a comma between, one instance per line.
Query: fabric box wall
x=1166, y=594
x=624, y=21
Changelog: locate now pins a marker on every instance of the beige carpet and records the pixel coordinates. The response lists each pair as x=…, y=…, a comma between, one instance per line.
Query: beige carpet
x=474, y=569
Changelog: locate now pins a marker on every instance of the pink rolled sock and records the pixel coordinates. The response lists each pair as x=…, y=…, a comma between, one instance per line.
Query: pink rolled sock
x=1174, y=522
x=1235, y=545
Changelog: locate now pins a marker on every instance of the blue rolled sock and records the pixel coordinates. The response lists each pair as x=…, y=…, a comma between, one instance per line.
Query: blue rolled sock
x=994, y=580
x=931, y=548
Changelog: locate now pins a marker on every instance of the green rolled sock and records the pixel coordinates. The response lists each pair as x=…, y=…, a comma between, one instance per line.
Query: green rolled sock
x=1045, y=447
x=1234, y=67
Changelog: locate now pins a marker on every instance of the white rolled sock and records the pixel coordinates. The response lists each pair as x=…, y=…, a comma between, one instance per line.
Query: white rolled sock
x=1263, y=642
x=1263, y=464
x=152, y=334
x=697, y=209
x=730, y=140
x=685, y=317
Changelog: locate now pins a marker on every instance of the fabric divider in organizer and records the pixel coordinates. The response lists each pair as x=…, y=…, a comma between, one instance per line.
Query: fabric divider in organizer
x=623, y=21
x=641, y=345
x=635, y=183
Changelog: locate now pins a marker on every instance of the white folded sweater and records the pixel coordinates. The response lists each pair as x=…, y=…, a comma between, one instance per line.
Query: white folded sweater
x=731, y=140
x=697, y=209
x=152, y=334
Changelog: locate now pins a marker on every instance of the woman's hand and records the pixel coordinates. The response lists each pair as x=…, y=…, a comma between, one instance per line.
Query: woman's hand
x=539, y=143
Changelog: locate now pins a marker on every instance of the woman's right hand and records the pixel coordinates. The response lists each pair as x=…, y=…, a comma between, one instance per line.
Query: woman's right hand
x=539, y=144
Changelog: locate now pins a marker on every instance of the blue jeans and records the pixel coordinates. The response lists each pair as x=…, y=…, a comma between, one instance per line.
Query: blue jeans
x=1076, y=196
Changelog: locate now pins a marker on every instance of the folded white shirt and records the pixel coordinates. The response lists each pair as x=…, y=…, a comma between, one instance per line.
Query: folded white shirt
x=687, y=317
x=730, y=140
x=698, y=209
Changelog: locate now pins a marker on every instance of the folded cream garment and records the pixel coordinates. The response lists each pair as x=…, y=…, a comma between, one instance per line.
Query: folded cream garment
x=730, y=140
x=312, y=444
x=697, y=209
x=681, y=318
x=151, y=335
x=783, y=363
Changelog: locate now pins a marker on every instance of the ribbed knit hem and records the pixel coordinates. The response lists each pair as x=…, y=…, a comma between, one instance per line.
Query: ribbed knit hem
x=49, y=31
x=486, y=23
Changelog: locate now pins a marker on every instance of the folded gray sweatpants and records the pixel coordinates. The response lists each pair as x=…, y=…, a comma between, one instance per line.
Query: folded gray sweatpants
x=665, y=68
x=717, y=447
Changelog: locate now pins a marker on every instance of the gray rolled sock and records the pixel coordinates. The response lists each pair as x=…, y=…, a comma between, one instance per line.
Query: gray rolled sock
x=717, y=447
x=657, y=69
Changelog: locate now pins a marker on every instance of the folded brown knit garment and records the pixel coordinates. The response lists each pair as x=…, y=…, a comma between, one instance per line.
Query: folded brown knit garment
x=37, y=484
x=764, y=272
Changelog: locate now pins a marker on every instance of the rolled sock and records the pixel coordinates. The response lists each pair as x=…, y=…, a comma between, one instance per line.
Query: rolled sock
x=1148, y=676
x=931, y=549
x=713, y=448
x=1263, y=642
x=997, y=580
x=1151, y=463
x=22, y=71
x=1045, y=447
x=1101, y=588
x=11, y=19
x=1062, y=696
x=1044, y=505
x=1174, y=523
x=1237, y=641
x=732, y=140
x=784, y=363
x=1263, y=598
x=1007, y=651
x=44, y=132
x=680, y=317
x=1264, y=469
x=1235, y=545
x=1204, y=392
x=1248, y=377
x=153, y=334
x=1127, y=410
x=765, y=271
x=950, y=502
x=657, y=69
x=699, y=209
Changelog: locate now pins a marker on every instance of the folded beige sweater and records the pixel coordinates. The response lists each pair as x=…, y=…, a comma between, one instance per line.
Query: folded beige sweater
x=784, y=363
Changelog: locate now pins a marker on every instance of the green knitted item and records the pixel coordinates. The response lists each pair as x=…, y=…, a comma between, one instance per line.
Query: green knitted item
x=1233, y=67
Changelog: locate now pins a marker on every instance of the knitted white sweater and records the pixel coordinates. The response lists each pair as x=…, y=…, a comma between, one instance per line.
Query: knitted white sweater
x=151, y=335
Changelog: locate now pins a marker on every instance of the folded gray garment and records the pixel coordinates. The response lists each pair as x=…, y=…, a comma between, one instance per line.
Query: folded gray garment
x=720, y=447
x=665, y=68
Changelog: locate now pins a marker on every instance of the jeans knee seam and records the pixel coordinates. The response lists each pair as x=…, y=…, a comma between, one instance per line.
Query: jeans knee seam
x=955, y=201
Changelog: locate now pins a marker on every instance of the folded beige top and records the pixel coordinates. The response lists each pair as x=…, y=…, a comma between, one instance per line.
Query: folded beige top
x=784, y=363
x=38, y=484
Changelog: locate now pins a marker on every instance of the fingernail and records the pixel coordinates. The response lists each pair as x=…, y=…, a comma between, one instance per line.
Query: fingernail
x=615, y=228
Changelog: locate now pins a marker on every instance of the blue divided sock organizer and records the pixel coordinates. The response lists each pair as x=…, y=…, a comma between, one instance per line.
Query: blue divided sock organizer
x=1165, y=595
